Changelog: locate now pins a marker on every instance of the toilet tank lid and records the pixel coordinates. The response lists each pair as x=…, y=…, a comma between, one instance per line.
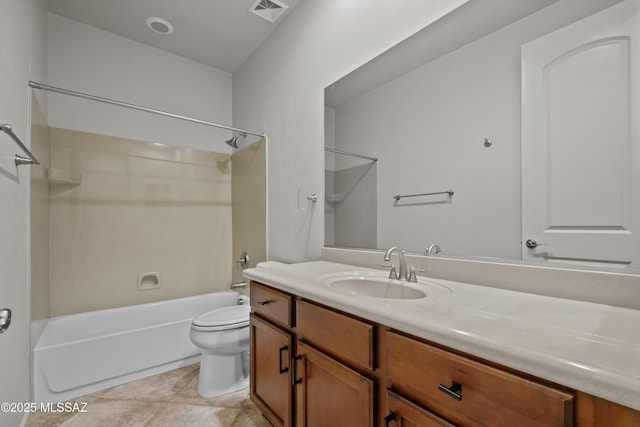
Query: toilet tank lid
x=236, y=315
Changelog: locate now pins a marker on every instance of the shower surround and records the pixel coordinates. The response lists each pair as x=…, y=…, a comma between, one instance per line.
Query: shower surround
x=120, y=208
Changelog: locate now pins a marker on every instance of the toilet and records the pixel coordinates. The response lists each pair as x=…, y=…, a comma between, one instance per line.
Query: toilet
x=223, y=337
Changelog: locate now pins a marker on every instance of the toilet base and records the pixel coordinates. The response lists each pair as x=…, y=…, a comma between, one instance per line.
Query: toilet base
x=223, y=373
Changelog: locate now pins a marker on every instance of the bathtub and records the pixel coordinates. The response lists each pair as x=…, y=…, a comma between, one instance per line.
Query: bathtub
x=87, y=352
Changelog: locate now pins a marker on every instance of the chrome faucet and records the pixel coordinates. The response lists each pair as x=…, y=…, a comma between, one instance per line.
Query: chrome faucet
x=402, y=274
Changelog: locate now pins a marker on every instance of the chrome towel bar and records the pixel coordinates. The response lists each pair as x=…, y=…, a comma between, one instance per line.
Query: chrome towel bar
x=346, y=153
x=20, y=160
x=449, y=192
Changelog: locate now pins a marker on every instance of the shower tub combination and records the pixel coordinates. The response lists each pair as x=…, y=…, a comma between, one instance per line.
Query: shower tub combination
x=87, y=352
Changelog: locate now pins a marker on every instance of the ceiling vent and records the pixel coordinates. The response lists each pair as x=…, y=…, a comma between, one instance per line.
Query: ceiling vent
x=270, y=10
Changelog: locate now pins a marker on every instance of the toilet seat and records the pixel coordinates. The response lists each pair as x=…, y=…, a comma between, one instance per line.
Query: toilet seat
x=222, y=319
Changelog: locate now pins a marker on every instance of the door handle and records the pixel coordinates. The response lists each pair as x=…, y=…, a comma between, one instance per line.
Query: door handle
x=294, y=377
x=532, y=244
x=455, y=390
x=391, y=417
x=5, y=319
x=285, y=369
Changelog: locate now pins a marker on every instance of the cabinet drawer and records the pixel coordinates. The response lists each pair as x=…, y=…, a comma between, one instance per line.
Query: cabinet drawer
x=407, y=414
x=487, y=396
x=343, y=336
x=271, y=304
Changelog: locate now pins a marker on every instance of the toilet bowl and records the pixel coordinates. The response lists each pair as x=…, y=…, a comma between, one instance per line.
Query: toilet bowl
x=223, y=337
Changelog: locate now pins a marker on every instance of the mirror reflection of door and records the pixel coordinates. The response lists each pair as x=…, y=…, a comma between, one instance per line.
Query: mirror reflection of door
x=580, y=136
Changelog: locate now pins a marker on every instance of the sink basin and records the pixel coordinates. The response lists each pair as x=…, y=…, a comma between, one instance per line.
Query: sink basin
x=375, y=287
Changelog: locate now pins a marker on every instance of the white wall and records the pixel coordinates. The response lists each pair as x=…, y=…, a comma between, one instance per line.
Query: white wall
x=93, y=61
x=23, y=31
x=428, y=128
x=280, y=89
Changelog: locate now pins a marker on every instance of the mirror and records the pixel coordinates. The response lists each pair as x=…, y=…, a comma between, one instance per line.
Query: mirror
x=427, y=143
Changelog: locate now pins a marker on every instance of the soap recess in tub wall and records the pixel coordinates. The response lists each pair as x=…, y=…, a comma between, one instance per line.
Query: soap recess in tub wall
x=148, y=281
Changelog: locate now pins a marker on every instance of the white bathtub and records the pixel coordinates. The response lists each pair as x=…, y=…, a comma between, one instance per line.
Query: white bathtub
x=87, y=352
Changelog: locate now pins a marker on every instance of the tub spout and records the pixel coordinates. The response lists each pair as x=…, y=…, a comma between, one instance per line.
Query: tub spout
x=238, y=285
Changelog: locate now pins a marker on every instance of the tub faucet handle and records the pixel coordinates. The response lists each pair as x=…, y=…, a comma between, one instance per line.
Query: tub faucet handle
x=243, y=261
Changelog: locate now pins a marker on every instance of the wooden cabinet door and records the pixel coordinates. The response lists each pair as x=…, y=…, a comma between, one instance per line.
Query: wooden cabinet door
x=328, y=393
x=270, y=352
x=404, y=413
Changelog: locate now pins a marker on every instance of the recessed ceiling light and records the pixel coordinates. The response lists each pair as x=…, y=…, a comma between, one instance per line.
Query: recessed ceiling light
x=159, y=25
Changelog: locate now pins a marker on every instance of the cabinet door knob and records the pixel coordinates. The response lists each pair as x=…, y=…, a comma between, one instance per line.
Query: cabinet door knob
x=391, y=417
x=455, y=390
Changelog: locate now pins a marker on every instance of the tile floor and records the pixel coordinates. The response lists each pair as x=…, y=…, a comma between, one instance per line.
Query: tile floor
x=165, y=400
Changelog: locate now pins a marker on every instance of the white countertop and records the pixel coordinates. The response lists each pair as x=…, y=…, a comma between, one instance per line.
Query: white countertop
x=594, y=348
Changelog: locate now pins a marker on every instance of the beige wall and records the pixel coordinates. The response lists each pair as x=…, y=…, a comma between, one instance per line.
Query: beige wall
x=139, y=208
x=249, y=205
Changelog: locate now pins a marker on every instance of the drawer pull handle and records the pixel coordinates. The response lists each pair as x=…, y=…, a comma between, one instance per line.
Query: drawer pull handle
x=455, y=390
x=265, y=302
x=391, y=417
x=282, y=370
x=295, y=371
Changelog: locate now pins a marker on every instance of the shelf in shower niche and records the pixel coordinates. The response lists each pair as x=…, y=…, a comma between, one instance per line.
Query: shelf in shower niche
x=148, y=281
x=61, y=176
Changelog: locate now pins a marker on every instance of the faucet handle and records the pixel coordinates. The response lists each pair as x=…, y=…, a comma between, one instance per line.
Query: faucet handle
x=412, y=274
x=393, y=273
x=433, y=249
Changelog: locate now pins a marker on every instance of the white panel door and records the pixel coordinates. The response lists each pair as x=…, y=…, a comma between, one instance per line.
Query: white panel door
x=580, y=149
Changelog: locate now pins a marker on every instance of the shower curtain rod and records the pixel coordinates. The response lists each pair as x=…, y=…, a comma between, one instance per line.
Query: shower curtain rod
x=36, y=85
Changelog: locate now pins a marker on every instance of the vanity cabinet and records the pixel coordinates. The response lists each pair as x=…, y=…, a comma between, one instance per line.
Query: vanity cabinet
x=313, y=366
x=309, y=367
x=270, y=354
